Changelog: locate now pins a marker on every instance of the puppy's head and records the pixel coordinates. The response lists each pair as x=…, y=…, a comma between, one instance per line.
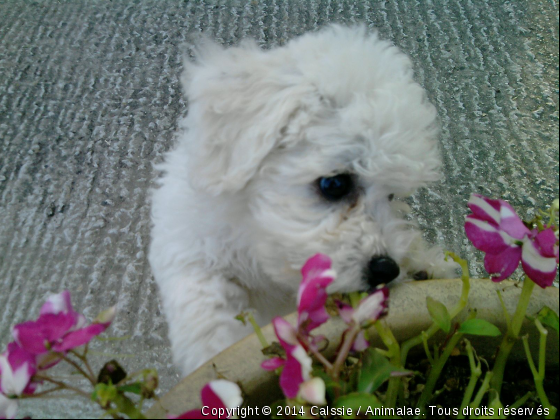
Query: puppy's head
x=317, y=138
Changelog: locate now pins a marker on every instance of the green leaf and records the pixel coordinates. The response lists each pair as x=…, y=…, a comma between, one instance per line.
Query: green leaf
x=548, y=317
x=479, y=327
x=439, y=314
x=376, y=369
x=105, y=393
x=357, y=401
x=135, y=388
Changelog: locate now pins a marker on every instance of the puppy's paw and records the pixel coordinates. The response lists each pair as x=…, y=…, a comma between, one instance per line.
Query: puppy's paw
x=430, y=263
x=441, y=269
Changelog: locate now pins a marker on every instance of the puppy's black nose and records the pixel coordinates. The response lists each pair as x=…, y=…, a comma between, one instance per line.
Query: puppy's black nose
x=382, y=270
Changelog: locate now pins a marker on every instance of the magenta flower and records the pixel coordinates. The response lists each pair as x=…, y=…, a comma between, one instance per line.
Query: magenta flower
x=59, y=328
x=297, y=366
x=218, y=397
x=495, y=229
x=17, y=368
x=312, y=293
x=370, y=309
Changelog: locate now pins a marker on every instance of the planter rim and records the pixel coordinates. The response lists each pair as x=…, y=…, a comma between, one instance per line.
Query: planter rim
x=407, y=317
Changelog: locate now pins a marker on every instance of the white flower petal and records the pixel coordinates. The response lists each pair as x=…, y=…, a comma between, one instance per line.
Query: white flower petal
x=486, y=207
x=228, y=392
x=369, y=308
x=531, y=256
x=304, y=360
x=8, y=407
x=313, y=391
x=13, y=383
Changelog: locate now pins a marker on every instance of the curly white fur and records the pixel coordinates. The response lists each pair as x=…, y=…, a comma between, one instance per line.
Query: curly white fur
x=238, y=211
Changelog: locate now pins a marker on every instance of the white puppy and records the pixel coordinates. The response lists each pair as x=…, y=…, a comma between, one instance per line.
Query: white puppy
x=283, y=154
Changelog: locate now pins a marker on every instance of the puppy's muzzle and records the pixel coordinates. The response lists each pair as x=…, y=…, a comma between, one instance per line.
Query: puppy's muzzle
x=381, y=270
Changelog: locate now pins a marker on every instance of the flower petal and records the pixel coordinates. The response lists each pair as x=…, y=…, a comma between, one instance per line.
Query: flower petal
x=291, y=378
x=21, y=366
x=32, y=335
x=540, y=268
x=8, y=407
x=360, y=343
x=57, y=303
x=79, y=338
x=221, y=394
x=304, y=361
x=316, y=264
x=373, y=307
x=498, y=213
x=312, y=294
x=313, y=391
x=502, y=265
x=273, y=363
x=14, y=381
x=297, y=367
x=485, y=236
x=285, y=332
x=547, y=243
x=18, y=357
x=345, y=311
x=510, y=222
x=485, y=209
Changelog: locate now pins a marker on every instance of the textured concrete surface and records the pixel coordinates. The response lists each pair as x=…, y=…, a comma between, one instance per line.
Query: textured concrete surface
x=89, y=99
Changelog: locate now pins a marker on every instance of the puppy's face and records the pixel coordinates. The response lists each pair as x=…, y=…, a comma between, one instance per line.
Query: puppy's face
x=334, y=187
x=318, y=139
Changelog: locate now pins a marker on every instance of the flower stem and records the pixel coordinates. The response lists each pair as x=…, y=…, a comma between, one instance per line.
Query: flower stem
x=538, y=374
x=521, y=401
x=83, y=358
x=303, y=339
x=459, y=306
x=63, y=385
x=427, y=348
x=41, y=394
x=71, y=362
x=258, y=330
x=512, y=335
x=482, y=390
x=394, y=354
x=504, y=309
x=476, y=371
x=344, y=350
x=436, y=371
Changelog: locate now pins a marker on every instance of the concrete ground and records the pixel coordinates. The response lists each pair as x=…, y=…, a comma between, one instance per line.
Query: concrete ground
x=89, y=99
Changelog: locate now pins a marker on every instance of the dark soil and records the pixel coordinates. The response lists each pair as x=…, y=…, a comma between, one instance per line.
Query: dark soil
x=518, y=380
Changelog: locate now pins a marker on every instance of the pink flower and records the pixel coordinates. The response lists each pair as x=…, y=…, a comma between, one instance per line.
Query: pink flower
x=17, y=368
x=370, y=309
x=59, y=328
x=296, y=375
x=312, y=294
x=218, y=397
x=495, y=229
x=297, y=366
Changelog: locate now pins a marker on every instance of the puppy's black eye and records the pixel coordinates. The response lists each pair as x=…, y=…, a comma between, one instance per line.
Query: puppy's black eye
x=336, y=187
x=390, y=197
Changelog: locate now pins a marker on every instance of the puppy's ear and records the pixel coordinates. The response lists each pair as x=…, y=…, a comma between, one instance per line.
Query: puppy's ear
x=240, y=99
